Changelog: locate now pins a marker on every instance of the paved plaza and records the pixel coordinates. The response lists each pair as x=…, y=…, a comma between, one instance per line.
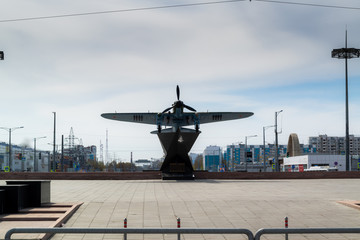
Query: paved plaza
x=250, y=204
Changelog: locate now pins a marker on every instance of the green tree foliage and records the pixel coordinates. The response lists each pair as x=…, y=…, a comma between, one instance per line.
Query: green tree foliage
x=120, y=167
x=198, y=164
x=96, y=166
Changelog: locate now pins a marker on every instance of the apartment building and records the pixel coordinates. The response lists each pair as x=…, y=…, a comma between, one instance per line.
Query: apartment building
x=334, y=145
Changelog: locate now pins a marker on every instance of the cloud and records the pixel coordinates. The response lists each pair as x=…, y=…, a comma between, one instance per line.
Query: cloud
x=256, y=56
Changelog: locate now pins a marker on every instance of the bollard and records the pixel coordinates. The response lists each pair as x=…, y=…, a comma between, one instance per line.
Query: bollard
x=286, y=226
x=178, y=222
x=125, y=226
x=178, y=226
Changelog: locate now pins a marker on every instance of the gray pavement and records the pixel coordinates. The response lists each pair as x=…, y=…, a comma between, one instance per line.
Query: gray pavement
x=251, y=204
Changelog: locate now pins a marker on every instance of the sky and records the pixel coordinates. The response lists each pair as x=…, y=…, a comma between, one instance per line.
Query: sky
x=259, y=56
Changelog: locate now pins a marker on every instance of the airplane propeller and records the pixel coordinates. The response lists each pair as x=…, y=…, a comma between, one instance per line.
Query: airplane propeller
x=189, y=108
x=178, y=92
x=179, y=103
x=168, y=109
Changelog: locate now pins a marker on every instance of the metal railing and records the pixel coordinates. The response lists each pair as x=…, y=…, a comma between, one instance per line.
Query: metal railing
x=127, y=231
x=179, y=231
x=263, y=231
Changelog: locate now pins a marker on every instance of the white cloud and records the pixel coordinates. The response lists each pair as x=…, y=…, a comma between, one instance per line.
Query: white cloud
x=243, y=56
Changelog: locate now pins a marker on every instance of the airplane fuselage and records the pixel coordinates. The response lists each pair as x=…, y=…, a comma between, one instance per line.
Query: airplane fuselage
x=177, y=118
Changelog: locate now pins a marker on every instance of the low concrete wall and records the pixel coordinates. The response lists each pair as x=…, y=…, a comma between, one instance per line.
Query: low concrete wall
x=275, y=175
x=157, y=175
x=82, y=176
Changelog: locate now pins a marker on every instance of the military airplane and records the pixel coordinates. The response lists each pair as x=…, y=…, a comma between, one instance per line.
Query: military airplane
x=175, y=118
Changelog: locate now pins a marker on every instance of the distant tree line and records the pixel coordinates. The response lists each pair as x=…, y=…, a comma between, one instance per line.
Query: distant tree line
x=198, y=164
x=100, y=166
x=114, y=166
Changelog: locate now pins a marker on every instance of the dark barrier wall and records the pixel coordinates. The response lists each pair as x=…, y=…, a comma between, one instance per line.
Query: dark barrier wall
x=157, y=175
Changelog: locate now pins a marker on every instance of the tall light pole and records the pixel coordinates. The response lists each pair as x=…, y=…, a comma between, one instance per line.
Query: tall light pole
x=346, y=53
x=264, y=128
x=35, y=159
x=54, y=152
x=246, y=137
x=277, y=166
x=10, y=152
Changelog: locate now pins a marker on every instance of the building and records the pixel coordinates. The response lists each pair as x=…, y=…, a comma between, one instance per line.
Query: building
x=335, y=145
x=235, y=155
x=232, y=156
x=314, y=162
x=22, y=158
x=76, y=158
x=212, y=160
x=143, y=164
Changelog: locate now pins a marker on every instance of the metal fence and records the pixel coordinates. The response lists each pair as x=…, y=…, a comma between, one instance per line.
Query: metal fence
x=180, y=231
x=263, y=231
x=127, y=231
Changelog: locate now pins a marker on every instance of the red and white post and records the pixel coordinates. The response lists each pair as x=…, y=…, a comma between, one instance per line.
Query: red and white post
x=178, y=226
x=286, y=226
x=125, y=226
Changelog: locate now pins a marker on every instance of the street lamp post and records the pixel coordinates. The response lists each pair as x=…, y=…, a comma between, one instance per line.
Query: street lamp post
x=36, y=160
x=277, y=166
x=49, y=160
x=54, y=152
x=264, y=128
x=10, y=150
x=346, y=53
x=246, y=137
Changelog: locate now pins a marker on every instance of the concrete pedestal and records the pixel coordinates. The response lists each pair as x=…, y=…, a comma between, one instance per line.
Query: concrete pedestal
x=176, y=145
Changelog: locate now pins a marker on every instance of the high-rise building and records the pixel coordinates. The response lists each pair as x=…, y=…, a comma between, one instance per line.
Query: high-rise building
x=212, y=159
x=233, y=155
x=334, y=145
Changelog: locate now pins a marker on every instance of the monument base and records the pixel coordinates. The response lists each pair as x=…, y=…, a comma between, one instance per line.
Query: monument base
x=176, y=145
x=177, y=176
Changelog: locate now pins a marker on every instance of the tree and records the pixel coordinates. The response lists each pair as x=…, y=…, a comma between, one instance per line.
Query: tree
x=156, y=164
x=198, y=164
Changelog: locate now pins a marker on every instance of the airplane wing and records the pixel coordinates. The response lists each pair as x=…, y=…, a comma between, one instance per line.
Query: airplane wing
x=146, y=118
x=168, y=119
x=209, y=117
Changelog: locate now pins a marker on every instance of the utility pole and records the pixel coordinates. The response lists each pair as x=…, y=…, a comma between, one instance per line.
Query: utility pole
x=131, y=162
x=101, y=152
x=246, y=152
x=277, y=166
x=36, y=160
x=54, y=152
x=10, y=148
x=62, y=153
x=106, y=148
x=264, y=160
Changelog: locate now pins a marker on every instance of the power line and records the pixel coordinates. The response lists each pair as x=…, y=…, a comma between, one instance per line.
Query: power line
x=310, y=4
x=172, y=6
x=119, y=11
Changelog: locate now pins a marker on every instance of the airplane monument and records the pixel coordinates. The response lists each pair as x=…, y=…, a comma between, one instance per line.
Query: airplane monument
x=176, y=140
